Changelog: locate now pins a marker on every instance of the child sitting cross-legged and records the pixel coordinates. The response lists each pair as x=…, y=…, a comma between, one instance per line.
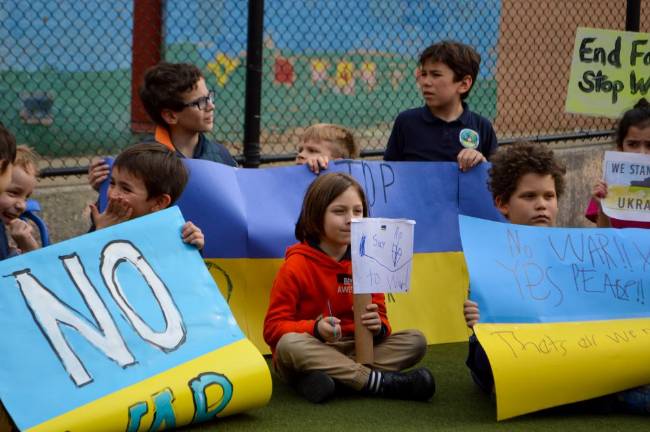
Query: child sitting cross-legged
x=146, y=177
x=309, y=324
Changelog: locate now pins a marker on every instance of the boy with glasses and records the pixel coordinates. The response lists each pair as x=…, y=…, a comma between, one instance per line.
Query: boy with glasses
x=177, y=99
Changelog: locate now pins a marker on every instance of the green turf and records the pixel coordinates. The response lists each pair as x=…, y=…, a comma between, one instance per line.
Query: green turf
x=457, y=405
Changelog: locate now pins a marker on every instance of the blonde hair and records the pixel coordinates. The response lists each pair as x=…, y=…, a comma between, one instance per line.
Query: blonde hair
x=340, y=136
x=27, y=159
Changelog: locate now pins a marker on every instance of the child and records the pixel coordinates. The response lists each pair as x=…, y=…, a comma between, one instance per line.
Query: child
x=13, y=202
x=310, y=325
x=177, y=99
x=146, y=177
x=632, y=136
x=7, y=159
x=526, y=182
x=444, y=129
x=324, y=141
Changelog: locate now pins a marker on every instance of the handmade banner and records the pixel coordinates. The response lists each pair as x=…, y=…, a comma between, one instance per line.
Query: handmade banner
x=122, y=329
x=249, y=216
x=564, y=311
x=609, y=71
x=628, y=186
x=382, y=255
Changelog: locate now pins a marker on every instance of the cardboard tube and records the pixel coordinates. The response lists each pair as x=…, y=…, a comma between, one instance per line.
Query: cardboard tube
x=363, y=340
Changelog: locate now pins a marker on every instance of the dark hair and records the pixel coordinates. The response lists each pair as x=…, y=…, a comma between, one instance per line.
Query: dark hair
x=510, y=163
x=320, y=194
x=7, y=148
x=462, y=59
x=163, y=86
x=161, y=170
x=638, y=116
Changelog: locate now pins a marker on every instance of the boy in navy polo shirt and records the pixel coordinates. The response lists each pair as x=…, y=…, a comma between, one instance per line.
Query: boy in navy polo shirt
x=444, y=129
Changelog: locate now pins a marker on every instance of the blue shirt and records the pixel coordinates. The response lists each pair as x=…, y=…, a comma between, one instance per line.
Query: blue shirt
x=419, y=136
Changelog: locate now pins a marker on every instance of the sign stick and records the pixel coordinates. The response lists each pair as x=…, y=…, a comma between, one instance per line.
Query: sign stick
x=363, y=338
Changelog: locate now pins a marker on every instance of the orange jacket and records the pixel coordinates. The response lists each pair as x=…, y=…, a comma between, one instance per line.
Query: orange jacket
x=301, y=289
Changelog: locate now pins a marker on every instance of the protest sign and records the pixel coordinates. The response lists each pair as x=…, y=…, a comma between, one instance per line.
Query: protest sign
x=610, y=72
x=628, y=186
x=382, y=255
x=564, y=311
x=249, y=215
x=122, y=329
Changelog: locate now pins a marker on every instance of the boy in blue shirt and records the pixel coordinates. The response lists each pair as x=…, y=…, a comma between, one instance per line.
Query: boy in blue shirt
x=444, y=129
x=177, y=98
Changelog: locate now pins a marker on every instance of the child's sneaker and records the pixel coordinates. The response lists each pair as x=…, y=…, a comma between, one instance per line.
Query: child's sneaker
x=316, y=386
x=416, y=384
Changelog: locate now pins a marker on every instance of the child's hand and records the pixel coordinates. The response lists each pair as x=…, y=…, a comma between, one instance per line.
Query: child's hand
x=469, y=158
x=471, y=312
x=98, y=171
x=22, y=233
x=317, y=163
x=117, y=211
x=599, y=191
x=329, y=328
x=371, y=319
x=193, y=235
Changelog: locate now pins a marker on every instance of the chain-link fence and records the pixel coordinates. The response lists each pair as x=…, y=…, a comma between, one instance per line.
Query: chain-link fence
x=68, y=69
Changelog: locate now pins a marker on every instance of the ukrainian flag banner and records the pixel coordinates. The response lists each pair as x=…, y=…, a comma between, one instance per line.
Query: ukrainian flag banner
x=248, y=217
x=122, y=329
x=565, y=314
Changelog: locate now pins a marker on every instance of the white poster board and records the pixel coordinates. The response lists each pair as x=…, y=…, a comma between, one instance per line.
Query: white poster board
x=628, y=186
x=382, y=255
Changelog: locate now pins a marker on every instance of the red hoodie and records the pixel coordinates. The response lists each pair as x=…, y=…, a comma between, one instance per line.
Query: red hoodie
x=305, y=282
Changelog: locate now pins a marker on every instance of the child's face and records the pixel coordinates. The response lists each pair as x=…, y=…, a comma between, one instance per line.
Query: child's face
x=436, y=82
x=191, y=118
x=5, y=177
x=534, y=202
x=637, y=140
x=309, y=149
x=338, y=219
x=132, y=189
x=14, y=199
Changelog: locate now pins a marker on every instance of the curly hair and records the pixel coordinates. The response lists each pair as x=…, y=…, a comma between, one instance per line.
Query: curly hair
x=511, y=163
x=7, y=148
x=462, y=59
x=163, y=86
x=638, y=116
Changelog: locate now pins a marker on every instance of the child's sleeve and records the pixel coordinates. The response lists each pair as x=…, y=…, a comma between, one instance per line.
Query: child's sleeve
x=394, y=148
x=281, y=317
x=380, y=301
x=592, y=211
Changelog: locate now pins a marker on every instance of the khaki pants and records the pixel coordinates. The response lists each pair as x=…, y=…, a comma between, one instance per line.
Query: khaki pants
x=298, y=353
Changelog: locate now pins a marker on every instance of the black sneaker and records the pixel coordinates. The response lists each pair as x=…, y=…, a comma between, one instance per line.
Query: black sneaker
x=416, y=384
x=316, y=386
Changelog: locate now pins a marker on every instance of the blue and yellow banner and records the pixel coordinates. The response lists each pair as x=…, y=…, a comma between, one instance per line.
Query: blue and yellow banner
x=122, y=329
x=565, y=314
x=249, y=215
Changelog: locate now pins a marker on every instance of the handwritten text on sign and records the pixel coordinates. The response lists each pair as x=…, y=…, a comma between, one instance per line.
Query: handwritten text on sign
x=382, y=255
x=610, y=71
x=529, y=274
x=628, y=186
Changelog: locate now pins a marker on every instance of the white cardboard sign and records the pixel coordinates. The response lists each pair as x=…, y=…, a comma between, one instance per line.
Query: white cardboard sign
x=382, y=255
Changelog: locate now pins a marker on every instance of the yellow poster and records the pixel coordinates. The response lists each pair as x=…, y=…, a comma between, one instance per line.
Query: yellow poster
x=610, y=72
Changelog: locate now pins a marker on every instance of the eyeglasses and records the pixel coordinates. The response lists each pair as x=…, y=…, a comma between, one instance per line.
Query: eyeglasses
x=202, y=102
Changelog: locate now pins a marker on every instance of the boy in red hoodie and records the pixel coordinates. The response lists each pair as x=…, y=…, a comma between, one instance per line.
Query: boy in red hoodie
x=310, y=324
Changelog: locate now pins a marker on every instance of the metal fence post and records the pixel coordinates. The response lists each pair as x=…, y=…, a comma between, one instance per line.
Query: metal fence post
x=633, y=15
x=253, y=98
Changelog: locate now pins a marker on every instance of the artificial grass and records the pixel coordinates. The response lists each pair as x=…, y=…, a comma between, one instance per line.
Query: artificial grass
x=458, y=405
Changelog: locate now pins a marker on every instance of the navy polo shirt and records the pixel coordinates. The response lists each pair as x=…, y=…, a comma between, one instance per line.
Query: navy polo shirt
x=419, y=136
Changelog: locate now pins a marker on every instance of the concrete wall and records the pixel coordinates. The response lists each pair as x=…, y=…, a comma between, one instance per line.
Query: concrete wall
x=65, y=201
